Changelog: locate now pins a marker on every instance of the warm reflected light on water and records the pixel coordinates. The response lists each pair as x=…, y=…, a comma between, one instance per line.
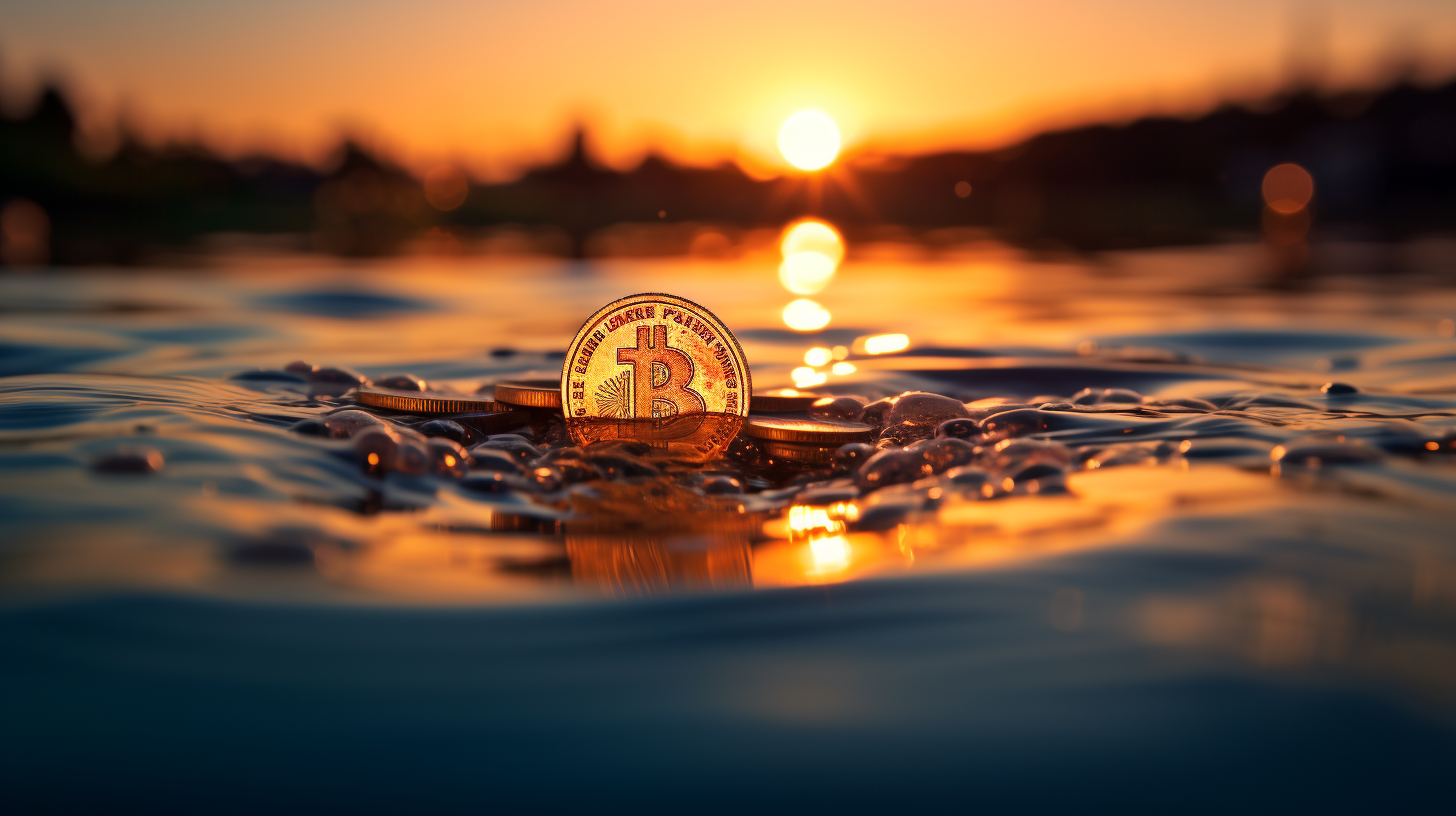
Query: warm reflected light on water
x=830, y=554
x=805, y=315
x=818, y=356
x=806, y=273
x=812, y=251
x=809, y=140
x=812, y=236
x=805, y=377
x=886, y=343
x=829, y=551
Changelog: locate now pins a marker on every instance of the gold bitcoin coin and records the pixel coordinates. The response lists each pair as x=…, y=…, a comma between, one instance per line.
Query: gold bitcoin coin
x=425, y=402
x=808, y=431
x=784, y=400
x=658, y=369
x=529, y=393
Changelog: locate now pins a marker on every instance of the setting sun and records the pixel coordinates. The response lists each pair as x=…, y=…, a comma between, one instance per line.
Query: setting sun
x=809, y=140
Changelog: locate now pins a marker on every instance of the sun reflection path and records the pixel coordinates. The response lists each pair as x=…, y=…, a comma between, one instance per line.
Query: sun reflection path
x=886, y=343
x=812, y=251
x=806, y=273
x=812, y=236
x=811, y=254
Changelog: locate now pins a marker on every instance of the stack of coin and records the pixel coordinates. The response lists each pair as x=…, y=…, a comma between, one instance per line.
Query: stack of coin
x=482, y=414
x=804, y=441
x=426, y=402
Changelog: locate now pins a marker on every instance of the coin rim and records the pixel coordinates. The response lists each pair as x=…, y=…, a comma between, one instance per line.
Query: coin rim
x=840, y=434
x=393, y=399
x=797, y=403
x=809, y=452
x=746, y=387
x=529, y=396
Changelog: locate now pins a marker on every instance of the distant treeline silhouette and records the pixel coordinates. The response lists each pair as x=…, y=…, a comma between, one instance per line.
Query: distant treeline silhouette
x=1384, y=164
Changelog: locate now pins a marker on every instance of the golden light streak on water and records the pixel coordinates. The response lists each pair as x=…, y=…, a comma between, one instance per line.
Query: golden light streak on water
x=805, y=315
x=886, y=343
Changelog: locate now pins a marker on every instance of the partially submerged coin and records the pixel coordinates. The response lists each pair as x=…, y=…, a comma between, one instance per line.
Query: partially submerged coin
x=658, y=369
x=784, y=400
x=820, y=431
x=529, y=393
x=425, y=402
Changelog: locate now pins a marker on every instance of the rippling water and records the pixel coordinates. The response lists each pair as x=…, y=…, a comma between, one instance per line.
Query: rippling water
x=1245, y=592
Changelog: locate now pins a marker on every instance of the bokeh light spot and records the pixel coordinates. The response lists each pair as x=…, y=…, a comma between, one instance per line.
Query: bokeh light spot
x=1288, y=188
x=809, y=140
x=805, y=315
x=963, y=189
x=817, y=356
x=806, y=273
x=806, y=377
x=25, y=233
x=446, y=187
x=812, y=236
x=886, y=343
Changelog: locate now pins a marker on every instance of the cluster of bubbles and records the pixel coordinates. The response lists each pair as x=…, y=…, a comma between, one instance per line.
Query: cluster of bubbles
x=929, y=448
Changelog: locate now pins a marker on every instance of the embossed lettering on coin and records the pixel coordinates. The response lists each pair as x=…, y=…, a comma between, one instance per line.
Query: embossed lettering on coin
x=659, y=369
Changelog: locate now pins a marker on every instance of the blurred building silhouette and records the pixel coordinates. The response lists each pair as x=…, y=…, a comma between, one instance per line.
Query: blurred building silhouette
x=1383, y=162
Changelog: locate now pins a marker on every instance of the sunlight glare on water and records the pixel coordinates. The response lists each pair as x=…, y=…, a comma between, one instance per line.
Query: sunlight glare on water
x=1111, y=477
x=1113, y=482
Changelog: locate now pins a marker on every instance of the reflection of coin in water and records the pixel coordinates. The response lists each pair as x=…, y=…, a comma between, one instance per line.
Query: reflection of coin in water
x=486, y=424
x=783, y=400
x=783, y=429
x=659, y=369
x=530, y=393
x=639, y=564
x=424, y=402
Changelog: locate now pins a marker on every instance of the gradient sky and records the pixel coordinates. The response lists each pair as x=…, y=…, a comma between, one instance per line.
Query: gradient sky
x=493, y=84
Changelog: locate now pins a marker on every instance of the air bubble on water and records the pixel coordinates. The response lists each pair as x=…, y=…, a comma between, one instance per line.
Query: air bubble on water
x=403, y=382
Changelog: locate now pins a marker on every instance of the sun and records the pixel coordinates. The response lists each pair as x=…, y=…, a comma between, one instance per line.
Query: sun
x=809, y=140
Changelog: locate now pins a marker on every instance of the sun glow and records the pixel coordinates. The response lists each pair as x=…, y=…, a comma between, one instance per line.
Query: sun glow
x=809, y=140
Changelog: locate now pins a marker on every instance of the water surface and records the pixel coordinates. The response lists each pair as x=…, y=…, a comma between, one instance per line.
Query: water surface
x=1246, y=589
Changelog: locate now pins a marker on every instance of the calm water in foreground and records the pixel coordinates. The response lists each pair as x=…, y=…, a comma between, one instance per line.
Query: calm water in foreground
x=1245, y=598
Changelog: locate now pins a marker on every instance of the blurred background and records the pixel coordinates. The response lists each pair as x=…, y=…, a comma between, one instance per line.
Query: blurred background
x=133, y=131
x=1187, y=265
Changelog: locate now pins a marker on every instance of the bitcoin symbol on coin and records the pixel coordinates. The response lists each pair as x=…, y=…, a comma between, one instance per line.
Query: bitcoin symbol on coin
x=660, y=376
x=657, y=369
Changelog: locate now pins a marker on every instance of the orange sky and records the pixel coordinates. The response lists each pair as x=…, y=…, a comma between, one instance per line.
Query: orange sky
x=491, y=84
